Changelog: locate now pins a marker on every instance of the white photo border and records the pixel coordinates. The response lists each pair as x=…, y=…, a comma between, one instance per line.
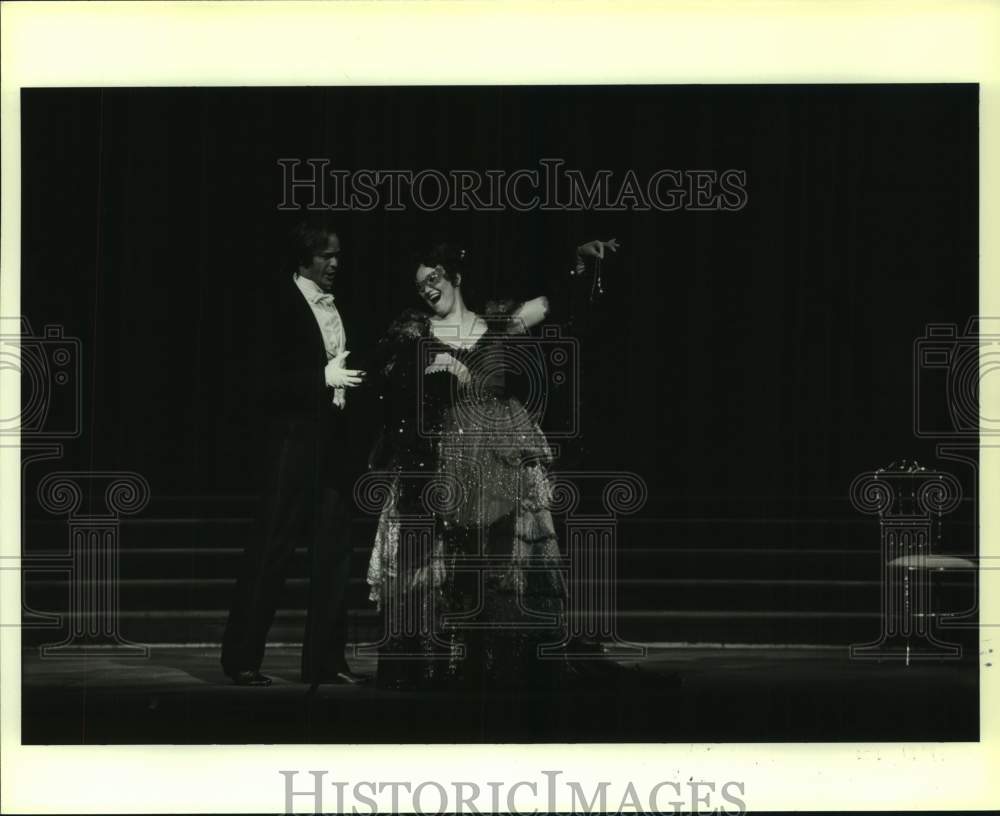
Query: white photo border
x=384, y=43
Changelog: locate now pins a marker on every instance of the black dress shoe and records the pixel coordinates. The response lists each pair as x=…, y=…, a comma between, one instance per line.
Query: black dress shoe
x=249, y=677
x=347, y=677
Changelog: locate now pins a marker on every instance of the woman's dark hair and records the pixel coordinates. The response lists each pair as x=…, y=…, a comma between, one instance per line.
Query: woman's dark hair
x=450, y=257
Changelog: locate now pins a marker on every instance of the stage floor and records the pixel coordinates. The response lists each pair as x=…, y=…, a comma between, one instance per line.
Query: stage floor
x=676, y=694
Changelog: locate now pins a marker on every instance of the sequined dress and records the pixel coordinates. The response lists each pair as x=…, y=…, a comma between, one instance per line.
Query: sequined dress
x=466, y=563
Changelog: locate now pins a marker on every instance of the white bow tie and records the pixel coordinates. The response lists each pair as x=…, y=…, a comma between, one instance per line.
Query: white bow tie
x=324, y=299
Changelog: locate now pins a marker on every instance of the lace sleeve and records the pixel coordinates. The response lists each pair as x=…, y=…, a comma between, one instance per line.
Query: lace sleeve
x=501, y=316
x=393, y=373
x=405, y=330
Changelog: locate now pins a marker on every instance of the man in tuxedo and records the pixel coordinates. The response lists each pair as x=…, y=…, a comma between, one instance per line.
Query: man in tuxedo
x=308, y=470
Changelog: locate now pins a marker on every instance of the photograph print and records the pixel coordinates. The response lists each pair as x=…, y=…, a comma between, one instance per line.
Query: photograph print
x=499, y=414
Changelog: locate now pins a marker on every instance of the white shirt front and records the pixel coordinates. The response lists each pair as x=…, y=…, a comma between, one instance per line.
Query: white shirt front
x=330, y=325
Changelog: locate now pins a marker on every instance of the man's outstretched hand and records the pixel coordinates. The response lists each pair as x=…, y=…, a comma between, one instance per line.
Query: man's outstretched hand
x=339, y=377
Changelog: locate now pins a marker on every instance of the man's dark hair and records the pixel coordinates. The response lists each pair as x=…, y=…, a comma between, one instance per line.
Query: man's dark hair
x=306, y=239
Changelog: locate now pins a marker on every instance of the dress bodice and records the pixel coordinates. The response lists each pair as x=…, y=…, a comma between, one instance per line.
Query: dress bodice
x=486, y=361
x=474, y=429
x=410, y=346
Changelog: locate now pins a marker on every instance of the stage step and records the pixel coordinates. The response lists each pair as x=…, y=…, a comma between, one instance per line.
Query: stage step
x=636, y=562
x=632, y=593
x=737, y=579
x=695, y=532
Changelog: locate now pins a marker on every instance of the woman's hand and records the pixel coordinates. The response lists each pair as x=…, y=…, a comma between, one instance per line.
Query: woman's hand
x=596, y=249
x=445, y=362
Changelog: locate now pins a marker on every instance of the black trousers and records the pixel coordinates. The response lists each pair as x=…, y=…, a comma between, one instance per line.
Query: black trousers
x=305, y=505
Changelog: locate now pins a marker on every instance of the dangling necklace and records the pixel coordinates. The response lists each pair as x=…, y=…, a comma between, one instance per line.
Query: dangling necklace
x=596, y=288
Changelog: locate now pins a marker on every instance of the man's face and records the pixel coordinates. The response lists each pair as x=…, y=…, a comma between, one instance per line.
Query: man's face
x=324, y=264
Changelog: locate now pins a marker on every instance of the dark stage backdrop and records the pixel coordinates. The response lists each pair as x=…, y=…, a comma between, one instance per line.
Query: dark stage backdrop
x=765, y=352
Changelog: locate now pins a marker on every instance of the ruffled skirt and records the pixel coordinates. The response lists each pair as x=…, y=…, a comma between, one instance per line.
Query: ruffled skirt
x=466, y=567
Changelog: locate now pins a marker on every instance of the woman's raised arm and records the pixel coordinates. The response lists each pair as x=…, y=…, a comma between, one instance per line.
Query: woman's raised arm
x=529, y=314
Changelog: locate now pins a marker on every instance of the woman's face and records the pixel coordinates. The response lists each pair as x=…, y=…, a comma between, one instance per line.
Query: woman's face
x=436, y=290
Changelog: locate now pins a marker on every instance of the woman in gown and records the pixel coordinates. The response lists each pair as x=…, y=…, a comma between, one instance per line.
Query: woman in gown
x=466, y=563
